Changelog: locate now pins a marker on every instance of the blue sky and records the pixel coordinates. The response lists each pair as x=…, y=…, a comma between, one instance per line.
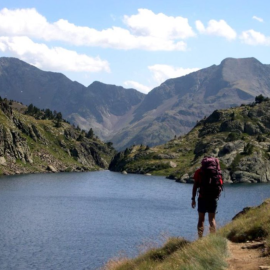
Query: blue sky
x=136, y=44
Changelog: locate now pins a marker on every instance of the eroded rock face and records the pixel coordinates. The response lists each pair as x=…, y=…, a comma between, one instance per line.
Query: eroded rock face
x=30, y=130
x=245, y=177
x=253, y=169
x=229, y=151
x=13, y=146
x=29, y=144
x=3, y=161
x=87, y=154
x=232, y=126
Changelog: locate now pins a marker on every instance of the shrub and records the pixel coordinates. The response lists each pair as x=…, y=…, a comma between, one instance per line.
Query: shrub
x=233, y=136
x=248, y=149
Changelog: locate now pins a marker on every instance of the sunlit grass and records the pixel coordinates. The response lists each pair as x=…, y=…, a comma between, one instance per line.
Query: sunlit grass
x=252, y=225
x=177, y=253
x=209, y=252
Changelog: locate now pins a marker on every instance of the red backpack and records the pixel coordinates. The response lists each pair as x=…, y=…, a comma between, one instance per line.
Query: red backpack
x=211, y=178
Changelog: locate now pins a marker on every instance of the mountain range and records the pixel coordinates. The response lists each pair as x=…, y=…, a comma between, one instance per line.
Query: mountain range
x=126, y=116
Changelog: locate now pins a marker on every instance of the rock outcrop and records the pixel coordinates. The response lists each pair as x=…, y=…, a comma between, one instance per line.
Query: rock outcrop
x=239, y=137
x=30, y=145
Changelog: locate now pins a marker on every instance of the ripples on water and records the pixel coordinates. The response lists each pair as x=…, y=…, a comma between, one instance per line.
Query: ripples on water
x=74, y=221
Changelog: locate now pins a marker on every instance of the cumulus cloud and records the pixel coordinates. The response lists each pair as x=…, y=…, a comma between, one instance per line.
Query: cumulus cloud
x=154, y=33
x=216, y=28
x=164, y=72
x=257, y=19
x=252, y=37
x=147, y=23
x=140, y=87
x=56, y=58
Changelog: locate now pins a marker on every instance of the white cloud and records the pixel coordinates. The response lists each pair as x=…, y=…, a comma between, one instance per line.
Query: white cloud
x=140, y=87
x=164, y=72
x=163, y=33
x=216, y=28
x=160, y=74
x=147, y=23
x=252, y=37
x=56, y=58
x=257, y=19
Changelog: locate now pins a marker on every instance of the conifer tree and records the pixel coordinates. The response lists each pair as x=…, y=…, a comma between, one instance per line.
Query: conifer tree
x=90, y=134
x=58, y=123
x=59, y=116
x=30, y=109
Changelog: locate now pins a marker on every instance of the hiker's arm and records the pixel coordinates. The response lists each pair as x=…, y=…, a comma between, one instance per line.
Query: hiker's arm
x=194, y=192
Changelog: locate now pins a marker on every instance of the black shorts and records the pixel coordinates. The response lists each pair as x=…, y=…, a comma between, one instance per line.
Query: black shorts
x=205, y=205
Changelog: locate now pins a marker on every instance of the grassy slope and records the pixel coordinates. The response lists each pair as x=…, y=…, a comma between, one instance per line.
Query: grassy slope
x=48, y=150
x=184, y=151
x=208, y=253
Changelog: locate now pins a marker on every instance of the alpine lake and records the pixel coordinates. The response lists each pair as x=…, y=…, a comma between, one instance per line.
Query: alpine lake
x=78, y=221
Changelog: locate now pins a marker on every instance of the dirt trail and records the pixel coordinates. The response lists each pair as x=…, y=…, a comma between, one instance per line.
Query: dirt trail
x=247, y=256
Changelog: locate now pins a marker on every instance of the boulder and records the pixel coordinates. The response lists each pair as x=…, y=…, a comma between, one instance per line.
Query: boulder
x=252, y=129
x=172, y=164
x=230, y=125
x=184, y=178
x=50, y=168
x=3, y=161
x=216, y=116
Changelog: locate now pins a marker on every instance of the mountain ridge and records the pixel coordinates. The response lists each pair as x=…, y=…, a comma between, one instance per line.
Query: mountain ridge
x=126, y=116
x=81, y=105
x=193, y=96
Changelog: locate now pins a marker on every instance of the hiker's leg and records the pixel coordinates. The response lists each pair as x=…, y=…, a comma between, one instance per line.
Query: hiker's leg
x=200, y=226
x=212, y=222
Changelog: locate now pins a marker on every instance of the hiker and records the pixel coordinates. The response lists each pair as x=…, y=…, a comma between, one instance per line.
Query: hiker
x=208, y=180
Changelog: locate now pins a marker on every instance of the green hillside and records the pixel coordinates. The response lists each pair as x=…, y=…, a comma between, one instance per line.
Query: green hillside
x=33, y=140
x=239, y=137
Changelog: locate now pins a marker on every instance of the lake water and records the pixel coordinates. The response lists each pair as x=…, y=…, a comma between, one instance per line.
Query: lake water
x=77, y=221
